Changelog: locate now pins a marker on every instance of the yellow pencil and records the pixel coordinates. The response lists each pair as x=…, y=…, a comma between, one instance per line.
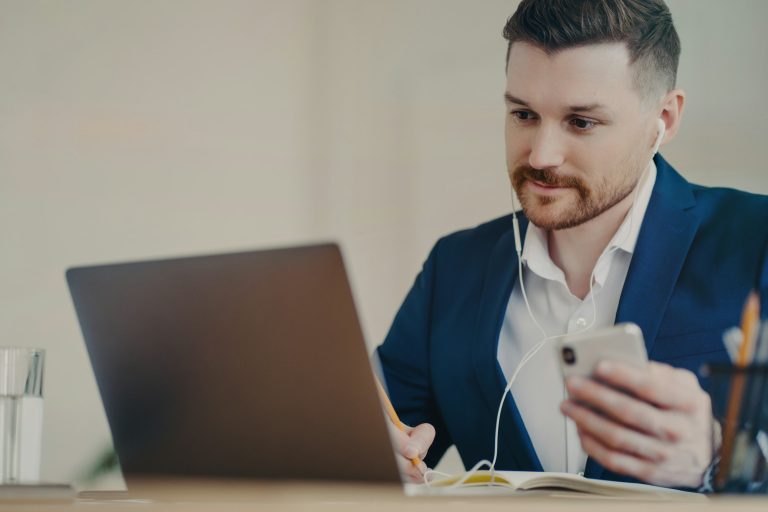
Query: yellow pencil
x=749, y=324
x=393, y=415
x=750, y=319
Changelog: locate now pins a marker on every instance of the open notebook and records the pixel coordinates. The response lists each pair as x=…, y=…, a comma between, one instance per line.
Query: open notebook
x=519, y=481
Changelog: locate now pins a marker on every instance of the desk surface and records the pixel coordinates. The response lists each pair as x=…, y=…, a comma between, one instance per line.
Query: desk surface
x=225, y=495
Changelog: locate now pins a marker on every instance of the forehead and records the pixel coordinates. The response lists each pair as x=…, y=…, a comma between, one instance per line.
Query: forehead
x=597, y=73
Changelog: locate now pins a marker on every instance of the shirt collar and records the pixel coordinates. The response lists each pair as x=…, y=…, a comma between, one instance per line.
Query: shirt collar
x=536, y=243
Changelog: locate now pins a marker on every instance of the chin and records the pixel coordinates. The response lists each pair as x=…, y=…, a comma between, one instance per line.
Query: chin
x=551, y=218
x=546, y=222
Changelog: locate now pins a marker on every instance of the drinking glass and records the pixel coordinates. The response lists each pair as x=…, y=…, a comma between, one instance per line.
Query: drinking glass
x=21, y=414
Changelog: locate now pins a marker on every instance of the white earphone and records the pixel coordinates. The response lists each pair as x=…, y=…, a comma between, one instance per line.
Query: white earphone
x=660, y=136
x=519, y=250
x=491, y=464
x=532, y=352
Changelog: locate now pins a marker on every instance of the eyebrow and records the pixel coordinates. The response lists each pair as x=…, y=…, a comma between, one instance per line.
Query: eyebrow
x=590, y=107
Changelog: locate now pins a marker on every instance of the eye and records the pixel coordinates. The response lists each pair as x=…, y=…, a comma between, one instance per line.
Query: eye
x=581, y=124
x=523, y=115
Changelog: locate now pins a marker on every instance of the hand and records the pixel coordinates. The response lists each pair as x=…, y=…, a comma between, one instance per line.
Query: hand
x=414, y=442
x=659, y=429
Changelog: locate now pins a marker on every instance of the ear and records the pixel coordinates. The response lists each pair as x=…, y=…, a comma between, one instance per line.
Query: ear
x=672, y=112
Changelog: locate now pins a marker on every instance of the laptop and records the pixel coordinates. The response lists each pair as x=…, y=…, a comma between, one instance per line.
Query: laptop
x=249, y=364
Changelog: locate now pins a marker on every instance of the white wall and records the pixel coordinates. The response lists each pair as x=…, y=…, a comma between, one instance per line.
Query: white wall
x=140, y=129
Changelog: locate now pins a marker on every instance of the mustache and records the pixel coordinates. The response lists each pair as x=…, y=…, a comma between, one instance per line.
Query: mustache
x=547, y=177
x=524, y=173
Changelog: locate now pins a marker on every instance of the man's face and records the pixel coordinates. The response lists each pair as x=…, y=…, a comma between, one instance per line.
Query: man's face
x=578, y=134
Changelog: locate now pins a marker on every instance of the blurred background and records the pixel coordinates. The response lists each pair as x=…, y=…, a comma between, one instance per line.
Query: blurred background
x=140, y=129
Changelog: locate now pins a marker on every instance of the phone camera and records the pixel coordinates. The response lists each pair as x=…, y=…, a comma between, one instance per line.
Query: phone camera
x=569, y=356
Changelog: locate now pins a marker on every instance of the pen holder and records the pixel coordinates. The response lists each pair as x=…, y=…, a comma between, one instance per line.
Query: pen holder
x=740, y=404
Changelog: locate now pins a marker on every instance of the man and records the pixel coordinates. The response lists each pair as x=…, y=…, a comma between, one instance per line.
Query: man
x=610, y=234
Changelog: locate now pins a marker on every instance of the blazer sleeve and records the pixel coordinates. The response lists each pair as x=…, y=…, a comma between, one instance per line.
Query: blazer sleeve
x=405, y=360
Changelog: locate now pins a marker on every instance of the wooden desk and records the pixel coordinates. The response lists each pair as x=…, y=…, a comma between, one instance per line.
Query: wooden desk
x=227, y=495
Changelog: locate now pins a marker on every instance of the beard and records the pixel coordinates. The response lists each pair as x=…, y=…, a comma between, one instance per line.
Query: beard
x=562, y=211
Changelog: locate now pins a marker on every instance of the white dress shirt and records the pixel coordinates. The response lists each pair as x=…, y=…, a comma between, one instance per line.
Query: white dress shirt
x=538, y=389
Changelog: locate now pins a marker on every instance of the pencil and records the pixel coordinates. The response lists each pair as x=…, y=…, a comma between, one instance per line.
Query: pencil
x=749, y=322
x=393, y=415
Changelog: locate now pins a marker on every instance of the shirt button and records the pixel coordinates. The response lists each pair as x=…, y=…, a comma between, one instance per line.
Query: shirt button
x=581, y=322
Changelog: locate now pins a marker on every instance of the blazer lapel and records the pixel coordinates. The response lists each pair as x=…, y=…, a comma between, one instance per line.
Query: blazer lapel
x=664, y=240
x=501, y=274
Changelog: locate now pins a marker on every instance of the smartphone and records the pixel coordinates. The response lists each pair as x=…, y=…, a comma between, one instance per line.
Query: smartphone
x=580, y=353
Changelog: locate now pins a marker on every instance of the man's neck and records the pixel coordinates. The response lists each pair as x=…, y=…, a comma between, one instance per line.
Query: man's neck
x=576, y=250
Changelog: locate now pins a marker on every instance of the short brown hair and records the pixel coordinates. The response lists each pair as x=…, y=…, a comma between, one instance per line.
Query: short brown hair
x=645, y=26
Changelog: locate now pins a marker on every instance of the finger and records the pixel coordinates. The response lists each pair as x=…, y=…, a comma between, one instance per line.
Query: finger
x=412, y=445
x=627, y=410
x=615, y=436
x=617, y=461
x=421, y=438
x=411, y=472
x=657, y=383
x=399, y=438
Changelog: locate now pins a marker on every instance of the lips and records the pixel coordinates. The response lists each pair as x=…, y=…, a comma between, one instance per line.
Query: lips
x=545, y=187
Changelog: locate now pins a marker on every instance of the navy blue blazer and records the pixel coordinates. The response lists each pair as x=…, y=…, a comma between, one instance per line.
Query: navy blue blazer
x=700, y=251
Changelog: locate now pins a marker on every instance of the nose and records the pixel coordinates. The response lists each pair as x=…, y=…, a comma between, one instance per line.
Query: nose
x=547, y=149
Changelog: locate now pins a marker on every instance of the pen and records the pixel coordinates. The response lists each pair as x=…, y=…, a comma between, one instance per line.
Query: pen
x=393, y=415
x=756, y=382
x=761, y=348
x=754, y=414
x=749, y=323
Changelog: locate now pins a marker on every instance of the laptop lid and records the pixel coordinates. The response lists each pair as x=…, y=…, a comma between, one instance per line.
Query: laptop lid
x=236, y=365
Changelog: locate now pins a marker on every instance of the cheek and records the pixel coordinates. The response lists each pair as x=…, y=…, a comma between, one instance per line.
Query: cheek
x=599, y=163
x=515, y=146
x=620, y=163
